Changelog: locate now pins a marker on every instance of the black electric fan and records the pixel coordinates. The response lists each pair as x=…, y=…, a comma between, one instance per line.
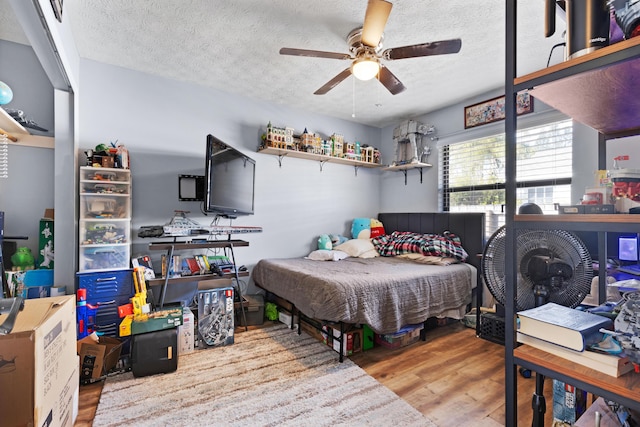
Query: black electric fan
x=552, y=266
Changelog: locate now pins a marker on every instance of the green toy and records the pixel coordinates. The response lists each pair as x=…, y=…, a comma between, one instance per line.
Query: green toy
x=23, y=259
x=271, y=311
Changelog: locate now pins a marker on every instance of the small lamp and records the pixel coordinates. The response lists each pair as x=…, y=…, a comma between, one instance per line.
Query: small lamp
x=365, y=68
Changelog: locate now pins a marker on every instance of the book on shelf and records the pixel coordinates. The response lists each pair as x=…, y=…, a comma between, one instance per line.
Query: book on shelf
x=563, y=326
x=192, y=266
x=606, y=363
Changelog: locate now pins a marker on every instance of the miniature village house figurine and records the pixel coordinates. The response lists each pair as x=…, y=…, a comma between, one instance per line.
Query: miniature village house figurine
x=408, y=141
x=279, y=137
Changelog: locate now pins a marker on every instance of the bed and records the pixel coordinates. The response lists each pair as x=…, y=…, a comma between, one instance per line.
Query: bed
x=386, y=293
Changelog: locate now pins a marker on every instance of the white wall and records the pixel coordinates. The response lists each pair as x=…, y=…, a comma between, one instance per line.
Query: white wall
x=449, y=123
x=28, y=190
x=164, y=124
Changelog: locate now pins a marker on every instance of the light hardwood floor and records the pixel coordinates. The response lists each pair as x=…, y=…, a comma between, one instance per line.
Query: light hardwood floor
x=454, y=378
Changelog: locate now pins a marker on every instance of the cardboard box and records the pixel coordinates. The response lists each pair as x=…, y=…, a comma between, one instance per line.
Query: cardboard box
x=45, y=242
x=285, y=318
x=157, y=321
x=39, y=369
x=569, y=403
x=186, y=332
x=216, y=321
x=31, y=283
x=97, y=358
x=352, y=341
x=124, y=330
x=586, y=209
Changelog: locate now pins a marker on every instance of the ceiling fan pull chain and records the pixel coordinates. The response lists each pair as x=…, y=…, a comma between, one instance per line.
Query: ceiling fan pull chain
x=353, y=91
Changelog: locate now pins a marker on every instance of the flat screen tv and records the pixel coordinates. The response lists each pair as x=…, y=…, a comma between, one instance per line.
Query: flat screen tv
x=230, y=180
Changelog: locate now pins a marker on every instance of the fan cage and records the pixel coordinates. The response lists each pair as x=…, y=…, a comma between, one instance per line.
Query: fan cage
x=559, y=244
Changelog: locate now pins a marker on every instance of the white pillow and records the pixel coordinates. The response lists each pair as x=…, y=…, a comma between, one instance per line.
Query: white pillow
x=356, y=247
x=327, y=255
x=369, y=254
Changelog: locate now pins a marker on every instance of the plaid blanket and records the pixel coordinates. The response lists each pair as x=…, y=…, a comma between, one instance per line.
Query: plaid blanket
x=404, y=242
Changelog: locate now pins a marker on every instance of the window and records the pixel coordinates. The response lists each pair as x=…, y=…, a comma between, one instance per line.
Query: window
x=472, y=175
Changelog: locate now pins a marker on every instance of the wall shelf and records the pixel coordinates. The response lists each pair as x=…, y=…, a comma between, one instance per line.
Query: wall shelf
x=281, y=153
x=404, y=168
x=15, y=130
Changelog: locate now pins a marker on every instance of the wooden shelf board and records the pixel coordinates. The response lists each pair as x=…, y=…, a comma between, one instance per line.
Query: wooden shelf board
x=583, y=218
x=627, y=385
x=317, y=157
x=155, y=246
x=37, y=141
x=10, y=125
x=407, y=166
x=24, y=138
x=605, y=98
x=195, y=278
x=584, y=59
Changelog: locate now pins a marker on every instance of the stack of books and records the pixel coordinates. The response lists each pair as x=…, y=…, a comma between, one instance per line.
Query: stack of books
x=568, y=333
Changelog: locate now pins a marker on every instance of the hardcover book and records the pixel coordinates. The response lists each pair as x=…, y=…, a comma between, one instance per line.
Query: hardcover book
x=606, y=363
x=563, y=326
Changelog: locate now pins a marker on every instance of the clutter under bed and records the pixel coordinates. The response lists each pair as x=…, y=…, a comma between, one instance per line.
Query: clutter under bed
x=384, y=292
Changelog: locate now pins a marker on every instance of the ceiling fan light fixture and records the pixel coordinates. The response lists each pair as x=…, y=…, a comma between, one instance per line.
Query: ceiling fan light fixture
x=365, y=68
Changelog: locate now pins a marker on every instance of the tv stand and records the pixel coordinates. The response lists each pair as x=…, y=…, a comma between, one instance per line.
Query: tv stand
x=228, y=247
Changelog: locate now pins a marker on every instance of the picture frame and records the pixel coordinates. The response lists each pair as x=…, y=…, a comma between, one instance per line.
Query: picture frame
x=493, y=110
x=56, y=5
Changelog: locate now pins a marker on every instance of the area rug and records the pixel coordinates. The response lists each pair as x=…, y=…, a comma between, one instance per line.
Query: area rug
x=269, y=377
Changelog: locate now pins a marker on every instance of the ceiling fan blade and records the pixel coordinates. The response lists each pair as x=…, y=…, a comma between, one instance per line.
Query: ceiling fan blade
x=390, y=81
x=333, y=82
x=314, y=53
x=375, y=20
x=425, y=49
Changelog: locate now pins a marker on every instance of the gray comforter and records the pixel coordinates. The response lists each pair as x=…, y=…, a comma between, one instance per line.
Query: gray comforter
x=385, y=293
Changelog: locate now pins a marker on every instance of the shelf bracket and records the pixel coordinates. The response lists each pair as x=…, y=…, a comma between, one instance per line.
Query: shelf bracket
x=420, y=175
x=404, y=171
x=280, y=157
x=322, y=162
x=356, y=169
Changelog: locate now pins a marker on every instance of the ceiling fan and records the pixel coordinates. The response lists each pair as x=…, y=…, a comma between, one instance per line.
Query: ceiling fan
x=365, y=45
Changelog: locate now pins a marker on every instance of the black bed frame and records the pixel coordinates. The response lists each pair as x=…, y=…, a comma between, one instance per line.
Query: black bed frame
x=469, y=226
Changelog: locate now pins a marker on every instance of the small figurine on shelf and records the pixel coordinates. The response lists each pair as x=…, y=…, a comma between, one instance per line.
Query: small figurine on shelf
x=23, y=259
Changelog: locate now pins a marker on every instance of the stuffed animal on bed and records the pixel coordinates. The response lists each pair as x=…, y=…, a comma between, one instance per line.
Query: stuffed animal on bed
x=337, y=239
x=361, y=228
x=324, y=242
x=366, y=228
x=377, y=229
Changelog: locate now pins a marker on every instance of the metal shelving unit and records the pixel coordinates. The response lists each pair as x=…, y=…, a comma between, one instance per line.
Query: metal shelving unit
x=601, y=90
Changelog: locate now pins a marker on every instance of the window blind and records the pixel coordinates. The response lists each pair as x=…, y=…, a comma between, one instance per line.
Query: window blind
x=472, y=173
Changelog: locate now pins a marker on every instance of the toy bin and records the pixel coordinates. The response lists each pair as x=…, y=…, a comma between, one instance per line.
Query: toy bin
x=253, y=309
x=404, y=337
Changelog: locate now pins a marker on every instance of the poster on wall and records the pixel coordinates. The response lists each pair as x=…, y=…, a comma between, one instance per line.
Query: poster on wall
x=493, y=110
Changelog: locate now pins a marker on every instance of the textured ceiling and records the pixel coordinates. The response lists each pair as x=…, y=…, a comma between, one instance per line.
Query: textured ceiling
x=233, y=46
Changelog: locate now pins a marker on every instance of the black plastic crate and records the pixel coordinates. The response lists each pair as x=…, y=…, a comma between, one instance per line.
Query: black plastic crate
x=492, y=327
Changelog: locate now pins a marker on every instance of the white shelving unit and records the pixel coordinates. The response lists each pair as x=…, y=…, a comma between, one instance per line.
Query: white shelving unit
x=105, y=219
